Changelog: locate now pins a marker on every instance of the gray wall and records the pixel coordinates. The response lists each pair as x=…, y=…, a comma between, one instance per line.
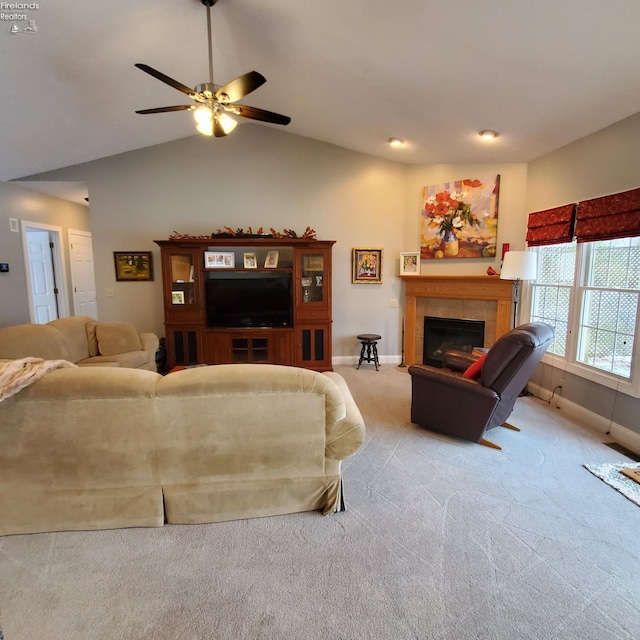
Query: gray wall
x=606, y=162
x=23, y=204
x=262, y=176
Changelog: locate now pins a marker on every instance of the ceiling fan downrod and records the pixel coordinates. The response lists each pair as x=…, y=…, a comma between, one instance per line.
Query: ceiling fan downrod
x=209, y=4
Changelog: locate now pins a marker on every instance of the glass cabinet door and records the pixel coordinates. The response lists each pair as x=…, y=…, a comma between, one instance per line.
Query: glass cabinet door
x=312, y=280
x=183, y=291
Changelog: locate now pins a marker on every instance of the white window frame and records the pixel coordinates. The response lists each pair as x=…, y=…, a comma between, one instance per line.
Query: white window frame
x=629, y=386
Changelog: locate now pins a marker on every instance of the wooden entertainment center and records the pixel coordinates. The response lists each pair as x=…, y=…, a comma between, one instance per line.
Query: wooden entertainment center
x=291, y=275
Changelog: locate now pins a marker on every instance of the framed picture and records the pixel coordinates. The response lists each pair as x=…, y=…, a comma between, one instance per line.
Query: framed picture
x=271, y=261
x=177, y=297
x=366, y=266
x=133, y=266
x=312, y=263
x=250, y=261
x=410, y=263
x=219, y=260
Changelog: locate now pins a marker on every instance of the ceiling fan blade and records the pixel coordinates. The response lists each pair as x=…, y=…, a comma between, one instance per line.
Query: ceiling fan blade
x=167, y=80
x=240, y=87
x=180, y=107
x=259, y=114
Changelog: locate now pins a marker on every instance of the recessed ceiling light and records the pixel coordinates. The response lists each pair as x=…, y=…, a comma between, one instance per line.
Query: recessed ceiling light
x=488, y=134
x=395, y=142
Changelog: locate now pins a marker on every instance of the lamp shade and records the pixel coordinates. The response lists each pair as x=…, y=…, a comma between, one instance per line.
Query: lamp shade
x=519, y=265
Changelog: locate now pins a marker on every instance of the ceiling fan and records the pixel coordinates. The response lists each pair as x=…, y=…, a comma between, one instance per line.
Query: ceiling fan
x=214, y=105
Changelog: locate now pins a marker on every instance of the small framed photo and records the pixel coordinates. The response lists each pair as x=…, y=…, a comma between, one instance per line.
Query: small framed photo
x=410, y=263
x=219, y=260
x=366, y=266
x=250, y=261
x=177, y=297
x=271, y=261
x=133, y=266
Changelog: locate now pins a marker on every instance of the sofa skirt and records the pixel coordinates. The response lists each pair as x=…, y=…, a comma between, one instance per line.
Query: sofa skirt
x=80, y=510
x=236, y=500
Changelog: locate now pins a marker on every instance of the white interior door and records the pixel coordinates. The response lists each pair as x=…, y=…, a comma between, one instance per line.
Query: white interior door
x=82, y=274
x=44, y=271
x=43, y=283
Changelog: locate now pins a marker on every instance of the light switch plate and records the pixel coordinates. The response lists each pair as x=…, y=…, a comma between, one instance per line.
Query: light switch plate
x=13, y=225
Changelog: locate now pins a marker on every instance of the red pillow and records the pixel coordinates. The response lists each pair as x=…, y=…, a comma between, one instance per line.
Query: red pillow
x=473, y=372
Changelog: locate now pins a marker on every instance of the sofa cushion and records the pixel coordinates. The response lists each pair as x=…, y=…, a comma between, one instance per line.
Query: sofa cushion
x=129, y=360
x=75, y=335
x=36, y=340
x=117, y=337
x=92, y=339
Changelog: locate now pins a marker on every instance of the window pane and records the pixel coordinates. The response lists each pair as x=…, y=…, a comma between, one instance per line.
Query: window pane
x=607, y=330
x=551, y=291
x=564, y=302
x=627, y=313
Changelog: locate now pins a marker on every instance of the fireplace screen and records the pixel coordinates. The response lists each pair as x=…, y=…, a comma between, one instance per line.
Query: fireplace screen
x=444, y=334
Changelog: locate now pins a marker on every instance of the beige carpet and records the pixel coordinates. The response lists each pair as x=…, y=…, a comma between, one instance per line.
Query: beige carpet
x=442, y=540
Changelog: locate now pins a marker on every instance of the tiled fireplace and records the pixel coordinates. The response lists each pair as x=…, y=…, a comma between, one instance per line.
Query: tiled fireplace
x=484, y=298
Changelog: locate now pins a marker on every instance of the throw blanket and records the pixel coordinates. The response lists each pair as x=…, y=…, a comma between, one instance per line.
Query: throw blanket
x=18, y=374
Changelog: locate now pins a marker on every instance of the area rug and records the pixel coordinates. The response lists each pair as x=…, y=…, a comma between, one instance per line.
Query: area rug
x=613, y=476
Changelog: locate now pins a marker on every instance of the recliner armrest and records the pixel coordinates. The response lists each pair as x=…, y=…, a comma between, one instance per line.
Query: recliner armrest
x=458, y=360
x=451, y=379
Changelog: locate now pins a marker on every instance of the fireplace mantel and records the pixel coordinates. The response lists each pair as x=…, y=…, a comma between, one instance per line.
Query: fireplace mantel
x=454, y=288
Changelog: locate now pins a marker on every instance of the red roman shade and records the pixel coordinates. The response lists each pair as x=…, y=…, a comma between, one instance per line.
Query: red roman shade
x=609, y=217
x=551, y=226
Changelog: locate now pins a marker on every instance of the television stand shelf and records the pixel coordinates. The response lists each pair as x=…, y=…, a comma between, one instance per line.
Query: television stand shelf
x=231, y=300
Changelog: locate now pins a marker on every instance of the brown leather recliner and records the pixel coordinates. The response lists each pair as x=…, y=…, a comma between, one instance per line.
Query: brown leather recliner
x=444, y=401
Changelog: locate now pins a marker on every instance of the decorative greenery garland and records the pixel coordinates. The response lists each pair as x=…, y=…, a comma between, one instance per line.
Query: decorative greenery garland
x=228, y=232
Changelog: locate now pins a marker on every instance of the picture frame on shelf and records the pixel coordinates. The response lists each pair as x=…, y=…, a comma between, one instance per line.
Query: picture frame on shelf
x=312, y=262
x=410, y=263
x=250, y=261
x=219, y=260
x=271, y=261
x=177, y=297
x=366, y=266
x=133, y=266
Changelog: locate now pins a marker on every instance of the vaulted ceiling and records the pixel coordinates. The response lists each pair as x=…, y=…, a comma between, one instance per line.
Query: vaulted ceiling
x=348, y=72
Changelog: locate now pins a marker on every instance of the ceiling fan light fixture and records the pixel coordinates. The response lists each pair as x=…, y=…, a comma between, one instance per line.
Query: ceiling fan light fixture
x=204, y=120
x=227, y=123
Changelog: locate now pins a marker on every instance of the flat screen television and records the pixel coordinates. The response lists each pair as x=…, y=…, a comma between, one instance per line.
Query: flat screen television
x=244, y=299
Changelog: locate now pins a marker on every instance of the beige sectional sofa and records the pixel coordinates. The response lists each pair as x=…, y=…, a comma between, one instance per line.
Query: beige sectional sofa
x=83, y=341
x=106, y=447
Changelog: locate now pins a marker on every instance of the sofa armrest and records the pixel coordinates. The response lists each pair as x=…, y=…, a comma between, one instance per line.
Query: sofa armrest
x=150, y=344
x=348, y=434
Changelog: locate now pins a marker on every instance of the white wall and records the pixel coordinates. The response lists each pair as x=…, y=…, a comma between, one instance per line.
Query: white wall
x=23, y=204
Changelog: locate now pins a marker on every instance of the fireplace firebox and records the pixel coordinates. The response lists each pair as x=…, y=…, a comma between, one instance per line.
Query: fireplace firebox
x=444, y=334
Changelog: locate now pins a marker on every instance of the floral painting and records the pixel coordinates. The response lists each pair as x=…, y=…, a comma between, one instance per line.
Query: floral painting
x=460, y=219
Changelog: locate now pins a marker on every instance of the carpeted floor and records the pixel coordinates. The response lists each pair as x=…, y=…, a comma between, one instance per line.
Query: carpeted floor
x=442, y=540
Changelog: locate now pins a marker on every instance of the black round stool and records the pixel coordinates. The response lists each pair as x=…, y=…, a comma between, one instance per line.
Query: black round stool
x=369, y=345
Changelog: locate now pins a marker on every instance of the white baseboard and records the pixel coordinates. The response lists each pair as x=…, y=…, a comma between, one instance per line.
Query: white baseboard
x=626, y=437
